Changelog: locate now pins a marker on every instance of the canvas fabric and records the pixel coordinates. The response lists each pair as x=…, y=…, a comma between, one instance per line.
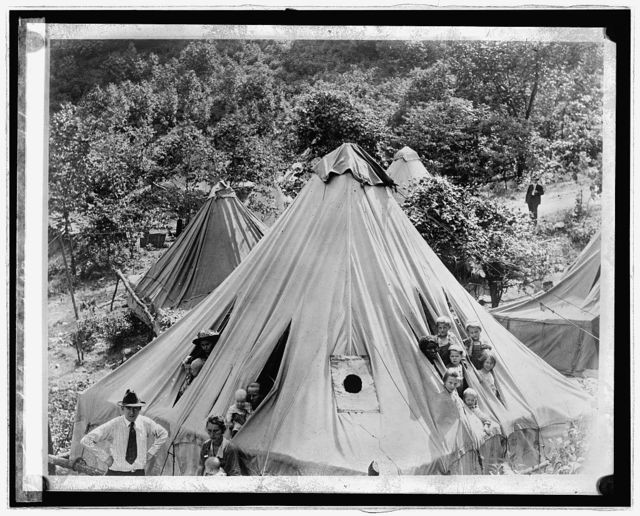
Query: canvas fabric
x=343, y=269
x=406, y=166
x=560, y=324
x=217, y=239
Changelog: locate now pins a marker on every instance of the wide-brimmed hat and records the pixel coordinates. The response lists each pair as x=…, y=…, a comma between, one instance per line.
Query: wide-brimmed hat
x=204, y=335
x=131, y=400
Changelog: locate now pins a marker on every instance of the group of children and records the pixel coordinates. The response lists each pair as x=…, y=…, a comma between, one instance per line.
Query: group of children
x=451, y=358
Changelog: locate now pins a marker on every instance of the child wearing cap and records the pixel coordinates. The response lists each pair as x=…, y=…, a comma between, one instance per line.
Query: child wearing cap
x=475, y=344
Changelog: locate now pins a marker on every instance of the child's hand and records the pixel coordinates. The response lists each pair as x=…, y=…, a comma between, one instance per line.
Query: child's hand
x=485, y=346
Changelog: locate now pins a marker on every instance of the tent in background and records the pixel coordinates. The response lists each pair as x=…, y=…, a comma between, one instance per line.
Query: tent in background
x=562, y=325
x=406, y=168
x=325, y=312
x=220, y=235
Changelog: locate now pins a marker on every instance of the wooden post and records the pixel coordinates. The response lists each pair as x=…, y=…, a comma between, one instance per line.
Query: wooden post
x=66, y=270
x=114, y=294
x=136, y=299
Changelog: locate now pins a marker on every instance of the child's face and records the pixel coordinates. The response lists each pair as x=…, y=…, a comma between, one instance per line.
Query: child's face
x=470, y=400
x=451, y=383
x=431, y=352
x=455, y=357
x=488, y=364
x=442, y=329
x=474, y=333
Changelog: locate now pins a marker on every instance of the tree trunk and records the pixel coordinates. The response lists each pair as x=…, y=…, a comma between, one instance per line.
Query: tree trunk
x=67, y=233
x=495, y=290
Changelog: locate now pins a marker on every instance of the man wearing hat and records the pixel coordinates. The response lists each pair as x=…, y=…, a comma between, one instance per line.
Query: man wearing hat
x=204, y=343
x=128, y=437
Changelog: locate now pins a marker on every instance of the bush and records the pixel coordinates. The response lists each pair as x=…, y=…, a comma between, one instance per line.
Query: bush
x=119, y=330
x=568, y=452
x=83, y=338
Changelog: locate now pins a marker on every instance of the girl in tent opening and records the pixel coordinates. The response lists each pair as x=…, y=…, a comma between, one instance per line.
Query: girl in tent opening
x=429, y=348
x=475, y=345
x=455, y=364
x=444, y=337
x=193, y=371
x=485, y=375
x=218, y=446
x=450, y=381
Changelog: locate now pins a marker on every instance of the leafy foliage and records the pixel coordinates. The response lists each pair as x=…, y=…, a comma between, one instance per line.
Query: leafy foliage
x=474, y=236
x=141, y=129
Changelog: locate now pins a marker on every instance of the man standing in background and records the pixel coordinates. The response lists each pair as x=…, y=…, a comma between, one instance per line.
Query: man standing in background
x=532, y=198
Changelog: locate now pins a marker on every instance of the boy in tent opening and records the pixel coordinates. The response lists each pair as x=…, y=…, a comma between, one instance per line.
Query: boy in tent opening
x=475, y=345
x=445, y=337
x=192, y=372
x=238, y=412
x=456, y=353
x=429, y=348
x=212, y=468
x=485, y=374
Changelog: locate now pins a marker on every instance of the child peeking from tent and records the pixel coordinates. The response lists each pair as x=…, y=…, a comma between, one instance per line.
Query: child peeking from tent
x=445, y=337
x=456, y=352
x=450, y=381
x=475, y=345
x=429, y=348
x=194, y=369
x=212, y=468
x=485, y=374
x=481, y=424
x=238, y=412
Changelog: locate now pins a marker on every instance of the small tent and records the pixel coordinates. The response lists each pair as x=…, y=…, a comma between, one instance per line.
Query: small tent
x=325, y=313
x=562, y=324
x=217, y=239
x=406, y=166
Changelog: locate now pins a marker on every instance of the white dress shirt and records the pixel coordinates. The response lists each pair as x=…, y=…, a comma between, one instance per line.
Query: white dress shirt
x=116, y=433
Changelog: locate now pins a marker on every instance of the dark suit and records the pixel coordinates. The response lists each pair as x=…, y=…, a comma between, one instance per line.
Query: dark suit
x=533, y=198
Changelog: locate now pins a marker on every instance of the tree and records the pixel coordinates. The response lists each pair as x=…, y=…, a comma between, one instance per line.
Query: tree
x=476, y=238
x=324, y=120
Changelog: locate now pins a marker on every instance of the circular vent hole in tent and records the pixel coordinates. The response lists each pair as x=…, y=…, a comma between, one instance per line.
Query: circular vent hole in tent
x=352, y=383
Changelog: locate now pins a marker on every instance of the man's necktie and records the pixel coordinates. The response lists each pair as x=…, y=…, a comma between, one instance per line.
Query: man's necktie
x=132, y=445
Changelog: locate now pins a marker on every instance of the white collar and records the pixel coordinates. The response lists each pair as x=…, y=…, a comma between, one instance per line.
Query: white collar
x=136, y=423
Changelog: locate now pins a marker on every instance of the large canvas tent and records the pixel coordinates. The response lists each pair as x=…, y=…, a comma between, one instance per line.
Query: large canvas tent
x=213, y=244
x=562, y=324
x=325, y=313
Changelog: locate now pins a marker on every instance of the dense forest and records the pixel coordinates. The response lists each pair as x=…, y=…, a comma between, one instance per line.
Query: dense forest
x=138, y=127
